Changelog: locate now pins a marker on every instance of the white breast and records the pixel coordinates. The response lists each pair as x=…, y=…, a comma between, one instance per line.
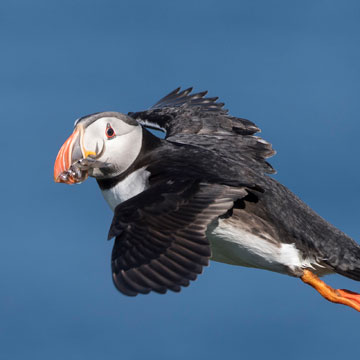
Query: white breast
x=131, y=186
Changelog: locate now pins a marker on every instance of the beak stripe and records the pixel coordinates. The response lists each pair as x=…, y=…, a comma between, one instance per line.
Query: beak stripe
x=63, y=159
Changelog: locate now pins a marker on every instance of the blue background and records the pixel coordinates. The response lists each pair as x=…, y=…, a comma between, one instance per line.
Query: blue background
x=292, y=67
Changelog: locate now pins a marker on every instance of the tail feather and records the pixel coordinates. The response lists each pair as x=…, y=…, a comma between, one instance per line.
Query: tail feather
x=352, y=274
x=349, y=263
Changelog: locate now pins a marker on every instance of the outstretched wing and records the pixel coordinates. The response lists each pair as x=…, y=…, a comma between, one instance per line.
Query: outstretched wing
x=160, y=239
x=203, y=122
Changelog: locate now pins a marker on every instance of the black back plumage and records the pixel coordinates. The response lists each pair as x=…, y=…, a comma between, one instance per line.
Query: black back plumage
x=201, y=121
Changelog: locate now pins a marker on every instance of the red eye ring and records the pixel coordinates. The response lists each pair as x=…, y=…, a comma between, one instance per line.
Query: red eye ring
x=109, y=132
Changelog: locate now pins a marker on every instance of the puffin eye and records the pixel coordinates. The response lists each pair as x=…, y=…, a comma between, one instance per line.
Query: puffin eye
x=109, y=132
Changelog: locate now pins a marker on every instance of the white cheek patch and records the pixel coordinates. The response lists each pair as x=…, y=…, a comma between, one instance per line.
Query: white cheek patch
x=95, y=133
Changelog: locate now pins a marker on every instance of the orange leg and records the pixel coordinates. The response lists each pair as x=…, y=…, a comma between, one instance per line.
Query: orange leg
x=344, y=297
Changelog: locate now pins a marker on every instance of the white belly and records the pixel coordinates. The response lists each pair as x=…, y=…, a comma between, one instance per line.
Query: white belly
x=233, y=245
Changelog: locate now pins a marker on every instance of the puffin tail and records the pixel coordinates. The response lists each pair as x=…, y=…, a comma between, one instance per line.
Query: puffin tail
x=349, y=263
x=350, y=273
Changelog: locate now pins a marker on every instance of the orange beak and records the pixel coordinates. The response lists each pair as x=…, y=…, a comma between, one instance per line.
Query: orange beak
x=64, y=158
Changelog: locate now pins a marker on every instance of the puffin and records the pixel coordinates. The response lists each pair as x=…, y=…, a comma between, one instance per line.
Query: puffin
x=203, y=192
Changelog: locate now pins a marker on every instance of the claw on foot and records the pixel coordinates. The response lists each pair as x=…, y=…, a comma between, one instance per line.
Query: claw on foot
x=338, y=296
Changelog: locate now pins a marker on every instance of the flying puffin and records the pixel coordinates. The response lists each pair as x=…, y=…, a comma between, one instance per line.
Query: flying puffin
x=201, y=193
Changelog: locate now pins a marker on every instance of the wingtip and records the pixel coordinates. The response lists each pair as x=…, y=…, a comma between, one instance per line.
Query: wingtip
x=175, y=91
x=185, y=92
x=122, y=287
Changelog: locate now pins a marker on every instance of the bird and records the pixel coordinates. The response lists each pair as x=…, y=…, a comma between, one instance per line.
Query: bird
x=202, y=192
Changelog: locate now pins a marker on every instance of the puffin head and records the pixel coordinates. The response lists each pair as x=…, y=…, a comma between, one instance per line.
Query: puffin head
x=102, y=145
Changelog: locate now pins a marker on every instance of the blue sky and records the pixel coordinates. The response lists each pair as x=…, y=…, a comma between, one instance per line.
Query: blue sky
x=292, y=67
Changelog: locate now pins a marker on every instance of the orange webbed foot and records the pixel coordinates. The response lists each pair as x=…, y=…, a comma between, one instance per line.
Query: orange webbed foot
x=352, y=296
x=338, y=296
